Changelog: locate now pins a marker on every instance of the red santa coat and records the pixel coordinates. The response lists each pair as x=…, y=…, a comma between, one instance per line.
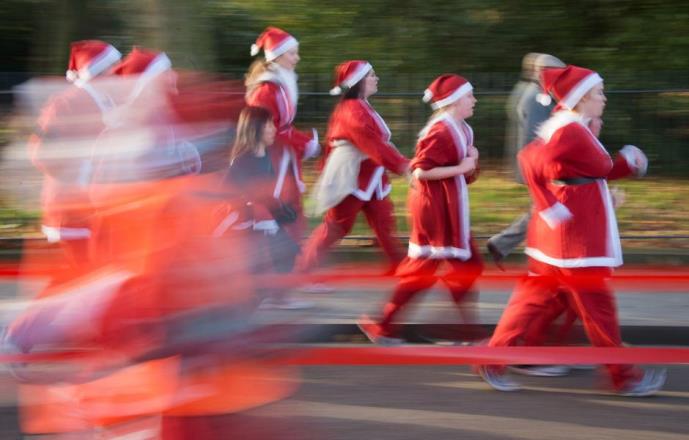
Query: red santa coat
x=574, y=225
x=291, y=146
x=439, y=209
x=356, y=122
x=68, y=126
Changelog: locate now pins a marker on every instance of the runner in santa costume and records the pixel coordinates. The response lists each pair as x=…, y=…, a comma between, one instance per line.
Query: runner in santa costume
x=61, y=148
x=359, y=152
x=444, y=163
x=572, y=241
x=272, y=83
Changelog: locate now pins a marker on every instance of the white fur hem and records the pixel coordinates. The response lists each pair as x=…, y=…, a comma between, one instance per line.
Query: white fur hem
x=437, y=252
x=569, y=263
x=54, y=234
x=269, y=227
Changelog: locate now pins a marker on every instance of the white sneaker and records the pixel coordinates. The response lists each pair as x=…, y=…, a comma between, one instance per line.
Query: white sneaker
x=652, y=381
x=540, y=370
x=498, y=381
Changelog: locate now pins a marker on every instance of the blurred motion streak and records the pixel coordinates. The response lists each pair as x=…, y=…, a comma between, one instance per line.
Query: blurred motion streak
x=157, y=307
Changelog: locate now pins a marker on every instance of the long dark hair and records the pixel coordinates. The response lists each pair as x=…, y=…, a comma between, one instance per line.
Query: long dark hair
x=252, y=122
x=356, y=91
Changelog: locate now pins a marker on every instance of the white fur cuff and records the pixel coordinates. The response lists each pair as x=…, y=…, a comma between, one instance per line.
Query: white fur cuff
x=636, y=159
x=555, y=215
x=313, y=148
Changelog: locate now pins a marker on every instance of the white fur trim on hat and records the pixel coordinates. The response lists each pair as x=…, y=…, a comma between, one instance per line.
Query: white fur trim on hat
x=255, y=50
x=358, y=75
x=456, y=95
x=354, y=78
x=574, y=96
x=160, y=64
x=283, y=47
x=97, y=66
x=427, y=95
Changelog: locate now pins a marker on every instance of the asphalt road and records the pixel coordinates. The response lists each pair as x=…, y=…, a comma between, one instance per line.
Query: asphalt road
x=394, y=402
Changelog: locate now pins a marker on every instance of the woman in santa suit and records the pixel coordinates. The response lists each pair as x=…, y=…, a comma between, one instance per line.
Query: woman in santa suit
x=359, y=152
x=572, y=240
x=272, y=84
x=444, y=163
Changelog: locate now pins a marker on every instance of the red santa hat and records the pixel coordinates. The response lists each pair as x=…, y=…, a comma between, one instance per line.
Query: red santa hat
x=348, y=74
x=140, y=61
x=89, y=58
x=567, y=85
x=148, y=64
x=446, y=89
x=274, y=43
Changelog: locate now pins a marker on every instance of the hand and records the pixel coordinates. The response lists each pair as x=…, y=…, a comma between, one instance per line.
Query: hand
x=467, y=165
x=473, y=152
x=618, y=196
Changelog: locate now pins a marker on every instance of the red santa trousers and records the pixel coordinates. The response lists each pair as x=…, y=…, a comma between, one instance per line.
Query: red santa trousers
x=588, y=295
x=419, y=274
x=339, y=221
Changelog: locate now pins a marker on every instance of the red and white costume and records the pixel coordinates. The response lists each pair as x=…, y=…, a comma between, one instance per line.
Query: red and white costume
x=575, y=225
x=439, y=209
x=276, y=90
x=572, y=239
x=68, y=126
x=359, y=152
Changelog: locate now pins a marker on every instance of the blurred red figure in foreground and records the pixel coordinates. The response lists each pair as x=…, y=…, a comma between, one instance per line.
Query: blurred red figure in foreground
x=68, y=126
x=164, y=313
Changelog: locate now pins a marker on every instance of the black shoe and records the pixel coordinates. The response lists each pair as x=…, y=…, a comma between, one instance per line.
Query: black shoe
x=497, y=256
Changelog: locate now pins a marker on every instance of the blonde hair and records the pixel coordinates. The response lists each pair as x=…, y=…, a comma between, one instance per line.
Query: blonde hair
x=252, y=122
x=256, y=69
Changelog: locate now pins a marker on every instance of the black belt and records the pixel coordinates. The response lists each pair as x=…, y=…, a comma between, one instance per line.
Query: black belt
x=574, y=181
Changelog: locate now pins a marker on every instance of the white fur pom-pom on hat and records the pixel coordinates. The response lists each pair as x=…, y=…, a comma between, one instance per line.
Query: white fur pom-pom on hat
x=255, y=50
x=544, y=99
x=335, y=91
x=71, y=75
x=427, y=96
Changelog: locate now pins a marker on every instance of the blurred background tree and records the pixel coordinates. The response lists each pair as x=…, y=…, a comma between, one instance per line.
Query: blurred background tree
x=640, y=46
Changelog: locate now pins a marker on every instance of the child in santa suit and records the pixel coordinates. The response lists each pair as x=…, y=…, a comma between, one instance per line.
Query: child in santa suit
x=444, y=163
x=572, y=240
x=272, y=84
x=359, y=152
